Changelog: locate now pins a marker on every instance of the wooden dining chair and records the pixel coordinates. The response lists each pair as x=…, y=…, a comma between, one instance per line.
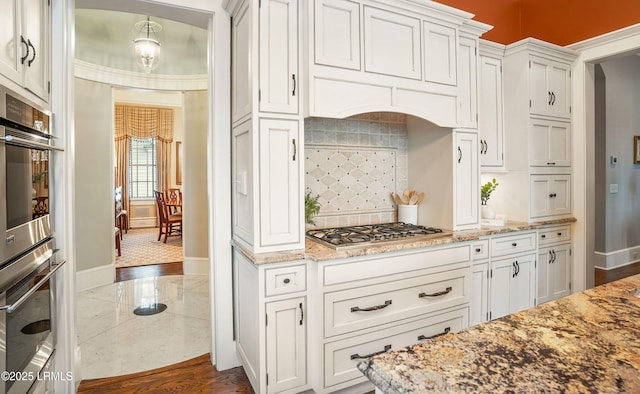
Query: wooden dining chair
x=174, y=197
x=122, y=216
x=170, y=224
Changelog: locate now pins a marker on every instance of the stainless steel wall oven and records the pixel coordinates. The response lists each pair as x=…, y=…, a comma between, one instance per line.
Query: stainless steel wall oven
x=25, y=147
x=27, y=318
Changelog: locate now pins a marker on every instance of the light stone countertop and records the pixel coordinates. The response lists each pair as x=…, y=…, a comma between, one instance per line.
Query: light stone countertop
x=318, y=252
x=585, y=342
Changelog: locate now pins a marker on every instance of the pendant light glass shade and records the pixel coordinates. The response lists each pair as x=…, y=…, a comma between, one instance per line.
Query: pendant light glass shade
x=147, y=45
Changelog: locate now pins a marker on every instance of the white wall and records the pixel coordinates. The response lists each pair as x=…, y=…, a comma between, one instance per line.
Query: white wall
x=94, y=209
x=621, y=228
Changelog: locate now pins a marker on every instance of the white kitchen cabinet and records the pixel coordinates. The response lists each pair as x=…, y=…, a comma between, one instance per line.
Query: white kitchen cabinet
x=391, y=43
x=549, y=143
x=286, y=339
x=550, y=87
x=242, y=56
x=337, y=33
x=371, y=304
x=369, y=56
x=490, y=95
x=25, y=35
x=467, y=82
x=279, y=77
x=550, y=195
x=440, y=43
x=280, y=158
x=266, y=149
x=554, y=263
x=466, y=174
x=271, y=324
x=512, y=286
x=478, y=311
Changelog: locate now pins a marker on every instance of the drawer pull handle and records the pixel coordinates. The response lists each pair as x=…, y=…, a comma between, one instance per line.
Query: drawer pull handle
x=356, y=356
x=514, y=244
x=286, y=281
x=478, y=250
x=438, y=294
x=446, y=331
x=371, y=308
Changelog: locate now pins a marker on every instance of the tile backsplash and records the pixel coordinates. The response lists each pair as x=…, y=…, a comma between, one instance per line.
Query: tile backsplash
x=354, y=164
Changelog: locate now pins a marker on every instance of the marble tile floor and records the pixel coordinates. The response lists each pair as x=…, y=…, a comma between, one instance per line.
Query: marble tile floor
x=114, y=341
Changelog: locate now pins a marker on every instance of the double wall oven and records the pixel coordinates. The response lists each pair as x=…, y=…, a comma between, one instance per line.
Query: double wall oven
x=27, y=252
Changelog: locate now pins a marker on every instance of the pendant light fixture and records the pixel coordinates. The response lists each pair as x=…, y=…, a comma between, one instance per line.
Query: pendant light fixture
x=147, y=45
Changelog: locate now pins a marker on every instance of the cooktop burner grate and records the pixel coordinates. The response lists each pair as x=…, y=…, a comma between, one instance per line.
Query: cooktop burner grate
x=366, y=235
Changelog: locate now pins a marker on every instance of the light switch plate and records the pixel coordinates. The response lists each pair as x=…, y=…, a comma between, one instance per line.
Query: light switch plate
x=613, y=188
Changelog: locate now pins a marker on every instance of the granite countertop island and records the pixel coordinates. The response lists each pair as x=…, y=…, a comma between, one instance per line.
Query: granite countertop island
x=586, y=342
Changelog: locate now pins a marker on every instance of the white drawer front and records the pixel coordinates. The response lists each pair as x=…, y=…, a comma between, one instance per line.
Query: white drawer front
x=285, y=280
x=364, y=307
x=521, y=242
x=554, y=234
x=381, y=266
x=341, y=357
x=480, y=250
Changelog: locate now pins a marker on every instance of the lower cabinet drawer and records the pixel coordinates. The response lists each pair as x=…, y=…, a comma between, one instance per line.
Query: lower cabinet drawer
x=341, y=357
x=364, y=307
x=511, y=244
x=554, y=234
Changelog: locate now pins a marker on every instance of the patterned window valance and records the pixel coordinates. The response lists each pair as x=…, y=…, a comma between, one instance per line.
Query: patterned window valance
x=143, y=122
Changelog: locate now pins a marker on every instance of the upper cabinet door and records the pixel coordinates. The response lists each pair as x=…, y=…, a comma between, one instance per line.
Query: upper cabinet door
x=392, y=43
x=440, y=47
x=14, y=49
x=36, y=32
x=490, y=123
x=549, y=143
x=241, y=64
x=466, y=191
x=337, y=33
x=279, y=77
x=467, y=82
x=550, y=87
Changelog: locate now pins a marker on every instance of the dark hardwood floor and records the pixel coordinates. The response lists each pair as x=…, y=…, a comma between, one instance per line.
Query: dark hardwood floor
x=606, y=276
x=192, y=376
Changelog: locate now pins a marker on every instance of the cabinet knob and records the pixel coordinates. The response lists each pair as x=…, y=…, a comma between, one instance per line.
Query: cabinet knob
x=514, y=244
x=559, y=234
x=478, y=250
x=286, y=281
x=551, y=163
x=552, y=195
x=543, y=236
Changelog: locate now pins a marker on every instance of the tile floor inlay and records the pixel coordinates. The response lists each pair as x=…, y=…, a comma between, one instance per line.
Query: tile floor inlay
x=113, y=341
x=148, y=310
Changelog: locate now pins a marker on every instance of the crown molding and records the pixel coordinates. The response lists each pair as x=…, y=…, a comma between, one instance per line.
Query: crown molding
x=111, y=76
x=625, y=33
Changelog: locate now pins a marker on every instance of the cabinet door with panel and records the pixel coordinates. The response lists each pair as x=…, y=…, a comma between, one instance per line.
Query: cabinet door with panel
x=337, y=33
x=550, y=87
x=512, y=285
x=36, y=30
x=241, y=83
x=467, y=82
x=440, y=53
x=554, y=272
x=549, y=143
x=279, y=164
x=391, y=43
x=286, y=340
x=466, y=191
x=279, y=77
x=550, y=195
x=478, y=312
x=490, y=121
x=10, y=33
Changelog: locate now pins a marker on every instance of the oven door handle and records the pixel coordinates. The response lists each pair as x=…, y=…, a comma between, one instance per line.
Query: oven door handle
x=28, y=144
x=12, y=307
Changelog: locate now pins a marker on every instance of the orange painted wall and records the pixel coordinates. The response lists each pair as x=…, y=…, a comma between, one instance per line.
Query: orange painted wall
x=561, y=22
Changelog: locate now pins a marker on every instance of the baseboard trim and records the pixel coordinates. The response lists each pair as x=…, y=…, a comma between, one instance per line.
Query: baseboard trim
x=617, y=258
x=94, y=277
x=195, y=266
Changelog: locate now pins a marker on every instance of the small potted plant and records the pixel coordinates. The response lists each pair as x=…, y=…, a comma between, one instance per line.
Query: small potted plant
x=485, y=194
x=311, y=208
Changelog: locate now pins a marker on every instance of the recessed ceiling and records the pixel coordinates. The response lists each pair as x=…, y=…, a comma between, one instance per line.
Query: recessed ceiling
x=105, y=38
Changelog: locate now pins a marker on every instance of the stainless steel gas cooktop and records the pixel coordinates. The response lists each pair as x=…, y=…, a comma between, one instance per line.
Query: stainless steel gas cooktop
x=340, y=238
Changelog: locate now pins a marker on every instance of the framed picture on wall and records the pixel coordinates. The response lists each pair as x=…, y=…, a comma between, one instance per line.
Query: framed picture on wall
x=178, y=163
x=636, y=149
